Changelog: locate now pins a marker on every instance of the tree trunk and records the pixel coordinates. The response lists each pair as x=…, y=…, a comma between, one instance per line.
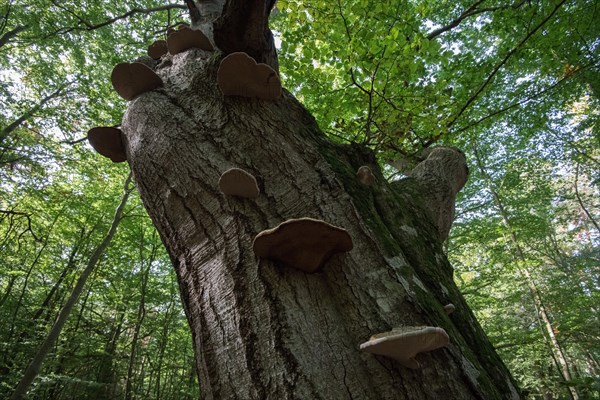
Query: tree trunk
x=562, y=364
x=141, y=313
x=33, y=369
x=261, y=329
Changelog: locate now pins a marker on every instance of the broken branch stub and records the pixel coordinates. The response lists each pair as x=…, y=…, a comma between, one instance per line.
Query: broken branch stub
x=108, y=142
x=186, y=38
x=158, y=49
x=403, y=344
x=131, y=80
x=240, y=75
x=237, y=182
x=449, y=308
x=305, y=243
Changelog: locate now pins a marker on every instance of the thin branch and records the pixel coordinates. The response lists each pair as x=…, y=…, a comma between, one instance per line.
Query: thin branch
x=5, y=18
x=89, y=26
x=15, y=124
x=26, y=215
x=73, y=142
x=334, y=132
x=357, y=84
x=468, y=12
x=580, y=201
x=471, y=11
x=11, y=34
x=344, y=21
x=518, y=103
x=503, y=62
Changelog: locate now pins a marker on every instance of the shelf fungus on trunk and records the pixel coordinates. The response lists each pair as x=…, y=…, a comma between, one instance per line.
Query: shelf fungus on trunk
x=108, y=142
x=186, y=38
x=449, y=308
x=131, y=80
x=158, y=49
x=237, y=182
x=403, y=344
x=240, y=75
x=305, y=243
x=365, y=176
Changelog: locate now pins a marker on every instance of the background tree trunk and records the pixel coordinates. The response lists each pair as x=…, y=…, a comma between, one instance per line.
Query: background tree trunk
x=263, y=330
x=34, y=367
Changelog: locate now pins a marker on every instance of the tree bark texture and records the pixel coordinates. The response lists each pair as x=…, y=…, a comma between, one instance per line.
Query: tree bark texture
x=260, y=329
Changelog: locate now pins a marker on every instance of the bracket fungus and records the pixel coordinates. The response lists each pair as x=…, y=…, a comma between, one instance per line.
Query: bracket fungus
x=108, y=142
x=365, y=176
x=131, y=80
x=237, y=182
x=449, y=308
x=185, y=38
x=240, y=75
x=403, y=344
x=158, y=49
x=304, y=243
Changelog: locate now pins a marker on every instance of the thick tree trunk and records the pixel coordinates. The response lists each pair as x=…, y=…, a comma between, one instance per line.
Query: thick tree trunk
x=263, y=330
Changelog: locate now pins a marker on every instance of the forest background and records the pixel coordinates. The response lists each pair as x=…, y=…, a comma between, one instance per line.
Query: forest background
x=516, y=85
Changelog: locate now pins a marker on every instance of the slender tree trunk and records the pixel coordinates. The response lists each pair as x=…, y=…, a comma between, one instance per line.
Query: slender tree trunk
x=8, y=356
x=106, y=374
x=8, y=290
x=33, y=369
x=138, y=324
x=164, y=339
x=547, y=325
x=580, y=201
x=69, y=267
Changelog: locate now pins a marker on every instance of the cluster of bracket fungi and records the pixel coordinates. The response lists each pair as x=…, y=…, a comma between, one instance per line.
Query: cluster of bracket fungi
x=304, y=243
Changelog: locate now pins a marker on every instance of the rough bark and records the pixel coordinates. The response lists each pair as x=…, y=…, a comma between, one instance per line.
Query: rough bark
x=262, y=330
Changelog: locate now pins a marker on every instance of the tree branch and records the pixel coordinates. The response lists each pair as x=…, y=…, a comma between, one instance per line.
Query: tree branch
x=471, y=11
x=22, y=214
x=503, y=62
x=518, y=103
x=468, y=12
x=15, y=124
x=87, y=26
x=11, y=34
x=580, y=201
x=73, y=142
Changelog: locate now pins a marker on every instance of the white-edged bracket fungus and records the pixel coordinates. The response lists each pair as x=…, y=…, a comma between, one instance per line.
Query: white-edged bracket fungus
x=131, y=80
x=403, y=344
x=240, y=75
x=449, y=308
x=185, y=38
x=304, y=243
x=237, y=182
x=365, y=176
x=108, y=142
x=158, y=49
